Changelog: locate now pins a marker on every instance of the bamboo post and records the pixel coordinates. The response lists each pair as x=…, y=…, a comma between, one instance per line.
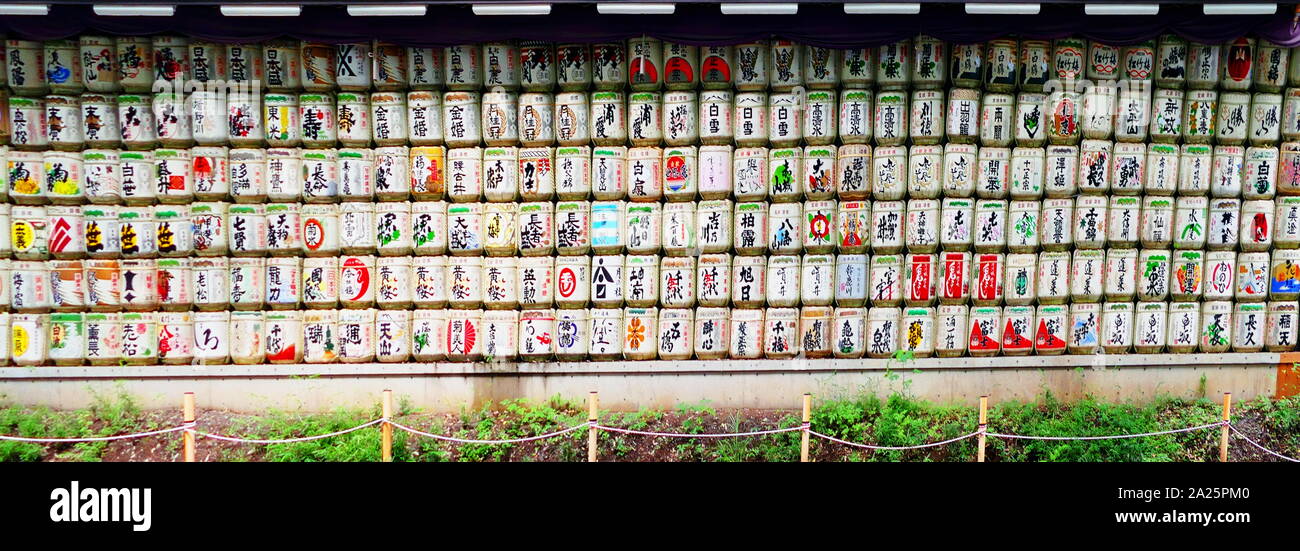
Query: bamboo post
x=187, y=415
x=984, y=420
x=807, y=419
x=1223, y=431
x=593, y=403
x=387, y=427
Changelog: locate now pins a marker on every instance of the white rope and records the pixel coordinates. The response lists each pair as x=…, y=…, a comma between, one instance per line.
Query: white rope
x=289, y=440
x=872, y=447
x=94, y=439
x=684, y=435
x=509, y=441
x=1257, y=445
x=1112, y=437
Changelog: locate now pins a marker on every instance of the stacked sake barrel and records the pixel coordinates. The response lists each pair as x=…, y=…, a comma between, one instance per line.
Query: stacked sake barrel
x=175, y=201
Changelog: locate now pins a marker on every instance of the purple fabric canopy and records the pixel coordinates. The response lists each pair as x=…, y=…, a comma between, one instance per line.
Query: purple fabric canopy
x=699, y=24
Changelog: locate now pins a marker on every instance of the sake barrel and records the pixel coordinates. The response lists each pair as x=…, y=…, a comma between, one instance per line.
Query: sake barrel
x=886, y=232
x=26, y=171
x=985, y=332
x=208, y=282
x=927, y=117
x=320, y=283
x=1035, y=62
x=356, y=330
x=1022, y=226
x=990, y=228
x=211, y=337
x=1157, y=221
x=713, y=279
x=851, y=280
x=67, y=286
x=429, y=274
x=464, y=341
x=27, y=338
x=1280, y=335
x=428, y=335
x=891, y=118
x=1085, y=329
x=1216, y=327
x=641, y=280
x=987, y=279
x=1019, y=288
x=1188, y=281
x=748, y=281
x=853, y=172
x=29, y=124
x=1222, y=224
x=66, y=237
x=780, y=333
x=606, y=338
x=1252, y=277
x=396, y=284
x=140, y=338
x=393, y=336
x=1090, y=215
x=853, y=222
x=1117, y=327
x=1190, y=215
x=1121, y=274
x=1249, y=323
x=320, y=232
x=954, y=277
x=1220, y=267
x=99, y=63
x=1171, y=54
x=102, y=176
x=1017, y=330
x=1153, y=280
x=1259, y=177
x=1284, y=275
x=893, y=67
x=711, y=334
x=607, y=281
x=950, y=335
x=1030, y=122
x=64, y=127
x=960, y=168
x=1287, y=223
x=247, y=283
x=957, y=224
x=1133, y=114
x=1256, y=221
x=639, y=329
x=1264, y=124
x=1062, y=120
x=922, y=226
x=1053, y=277
x=886, y=281
x=285, y=337
x=500, y=281
x=996, y=119
x=175, y=289
x=817, y=280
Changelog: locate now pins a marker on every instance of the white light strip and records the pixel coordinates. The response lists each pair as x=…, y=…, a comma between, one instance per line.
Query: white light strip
x=1239, y=9
x=24, y=9
x=634, y=8
x=760, y=9
x=882, y=9
x=1003, y=9
x=364, y=10
x=261, y=11
x=512, y=9
x=128, y=9
x=1130, y=9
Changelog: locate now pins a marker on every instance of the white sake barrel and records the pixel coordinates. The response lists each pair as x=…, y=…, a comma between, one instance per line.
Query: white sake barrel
x=996, y=119
x=424, y=111
x=318, y=61
x=1259, y=179
x=1220, y=268
x=751, y=69
x=920, y=169
x=208, y=281
x=1166, y=115
x=66, y=226
x=849, y=334
x=321, y=339
x=25, y=183
x=989, y=233
x=429, y=274
x=102, y=176
x=1017, y=330
x=1287, y=223
x=1190, y=215
x=358, y=281
x=639, y=332
x=392, y=180
x=607, y=281
x=1270, y=66
x=780, y=333
x=1223, y=221
x=1103, y=61
x=1216, y=327
x=65, y=130
x=993, y=173
x=1062, y=109
x=1265, y=120
x=1117, y=327
x=357, y=231
x=103, y=338
x=985, y=334
x=138, y=232
x=175, y=292
x=27, y=338
x=99, y=64
x=318, y=120
x=891, y=118
x=460, y=119
x=1090, y=215
x=950, y=335
x=1257, y=225
x=501, y=283
x=140, y=338
x=1161, y=169
x=713, y=279
x=606, y=334
x=1030, y=121
x=1249, y=324
x=1087, y=275
x=428, y=335
x=1150, y=320
x=1171, y=54
x=1019, y=288
x=817, y=280
x=957, y=231
x=927, y=117
x=1094, y=166
x=954, y=277
x=638, y=284
x=676, y=329
x=463, y=341
x=465, y=174
x=320, y=230
x=749, y=281
x=1284, y=275
x=1200, y=109
x=1280, y=335
x=1085, y=331
x=1252, y=277
x=210, y=332
x=464, y=283
x=1202, y=65
x=396, y=283
x=1123, y=222
x=536, y=334
x=283, y=229
x=102, y=280
x=393, y=228
x=1184, y=326
x=284, y=337
x=1188, y=275
x=247, y=283
x=609, y=230
x=139, y=185
x=1036, y=64
x=745, y=334
x=1126, y=172
x=393, y=336
x=320, y=282
x=1053, y=285
x=1153, y=276
x=572, y=281
x=248, y=230
x=356, y=329
x=1121, y=274
x=987, y=279
x=67, y=286
x=853, y=223
x=711, y=334
x=1050, y=329
x=959, y=170
x=1226, y=171
x=1157, y=221
x=1133, y=114
x=886, y=280
x=572, y=227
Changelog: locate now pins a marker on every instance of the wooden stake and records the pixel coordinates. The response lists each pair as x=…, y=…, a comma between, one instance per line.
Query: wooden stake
x=1223, y=431
x=387, y=427
x=807, y=418
x=593, y=403
x=984, y=420
x=187, y=415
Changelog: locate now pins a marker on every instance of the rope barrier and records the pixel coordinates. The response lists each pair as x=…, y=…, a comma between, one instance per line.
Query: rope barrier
x=685, y=435
x=873, y=447
x=289, y=440
x=93, y=439
x=508, y=441
x=1257, y=445
x=1111, y=437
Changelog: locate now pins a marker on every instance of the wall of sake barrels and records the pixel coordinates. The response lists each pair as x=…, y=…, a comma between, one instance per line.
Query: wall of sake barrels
x=173, y=201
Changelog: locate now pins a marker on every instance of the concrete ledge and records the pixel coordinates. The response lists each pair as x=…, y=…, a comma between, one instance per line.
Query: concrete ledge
x=767, y=384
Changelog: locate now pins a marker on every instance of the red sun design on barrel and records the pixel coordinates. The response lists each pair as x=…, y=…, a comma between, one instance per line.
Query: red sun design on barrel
x=363, y=276
x=1239, y=59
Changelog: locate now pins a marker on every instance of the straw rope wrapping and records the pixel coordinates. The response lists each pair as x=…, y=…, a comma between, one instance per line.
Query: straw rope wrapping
x=873, y=447
x=508, y=441
x=289, y=440
x=95, y=438
x=1257, y=445
x=1111, y=437
x=684, y=435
